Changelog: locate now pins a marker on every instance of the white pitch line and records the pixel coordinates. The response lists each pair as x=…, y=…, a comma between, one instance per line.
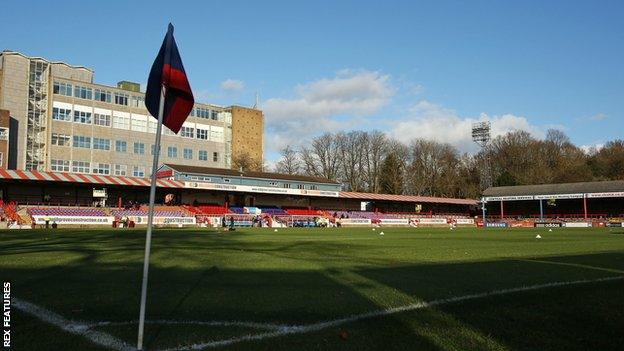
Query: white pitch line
x=73, y=327
x=380, y=313
x=253, y=325
x=109, y=341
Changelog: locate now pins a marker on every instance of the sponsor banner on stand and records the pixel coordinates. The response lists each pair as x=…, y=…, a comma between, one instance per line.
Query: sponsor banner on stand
x=259, y=189
x=74, y=219
x=394, y=221
x=547, y=224
x=165, y=220
x=611, y=194
x=577, y=224
x=521, y=224
x=355, y=221
x=496, y=224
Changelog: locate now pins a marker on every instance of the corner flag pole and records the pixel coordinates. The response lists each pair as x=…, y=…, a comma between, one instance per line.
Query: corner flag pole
x=150, y=218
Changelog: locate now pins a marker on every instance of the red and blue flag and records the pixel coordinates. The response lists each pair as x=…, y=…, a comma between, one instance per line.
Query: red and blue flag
x=168, y=71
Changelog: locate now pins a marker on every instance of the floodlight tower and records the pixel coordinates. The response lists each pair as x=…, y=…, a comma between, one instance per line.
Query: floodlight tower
x=481, y=135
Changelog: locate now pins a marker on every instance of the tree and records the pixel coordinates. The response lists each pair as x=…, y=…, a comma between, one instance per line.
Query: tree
x=244, y=162
x=289, y=163
x=391, y=175
x=608, y=162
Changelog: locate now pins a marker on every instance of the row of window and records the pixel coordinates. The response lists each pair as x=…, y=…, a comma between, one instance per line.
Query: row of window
x=95, y=168
x=119, y=98
x=134, y=124
x=86, y=142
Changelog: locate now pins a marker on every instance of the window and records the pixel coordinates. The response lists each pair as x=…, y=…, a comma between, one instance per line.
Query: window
x=82, y=141
x=313, y=187
x=201, y=112
x=226, y=180
x=151, y=125
x=83, y=92
x=101, y=144
x=82, y=117
x=203, y=155
x=101, y=168
x=102, y=95
x=287, y=185
x=300, y=186
x=138, y=171
x=120, y=146
x=59, y=165
x=139, y=148
x=139, y=125
x=214, y=115
x=215, y=157
x=138, y=101
x=172, y=151
x=188, y=132
x=80, y=167
x=61, y=140
x=61, y=114
x=272, y=183
x=120, y=170
x=101, y=120
x=121, y=122
x=62, y=89
x=121, y=99
x=153, y=150
x=167, y=131
x=216, y=135
x=188, y=154
x=202, y=134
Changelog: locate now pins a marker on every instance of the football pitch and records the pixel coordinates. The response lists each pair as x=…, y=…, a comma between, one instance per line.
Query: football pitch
x=318, y=289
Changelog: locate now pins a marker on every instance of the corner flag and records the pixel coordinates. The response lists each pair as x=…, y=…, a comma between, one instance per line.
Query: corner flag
x=168, y=98
x=168, y=71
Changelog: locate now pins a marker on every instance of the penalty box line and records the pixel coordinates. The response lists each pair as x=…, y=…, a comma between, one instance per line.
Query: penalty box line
x=385, y=312
x=111, y=342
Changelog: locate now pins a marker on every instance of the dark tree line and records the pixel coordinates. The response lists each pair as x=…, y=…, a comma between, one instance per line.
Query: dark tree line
x=372, y=162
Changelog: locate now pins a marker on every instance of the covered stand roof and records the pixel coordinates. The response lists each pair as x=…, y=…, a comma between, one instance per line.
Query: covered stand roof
x=613, y=186
x=248, y=174
x=406, y=198
x=64, y=177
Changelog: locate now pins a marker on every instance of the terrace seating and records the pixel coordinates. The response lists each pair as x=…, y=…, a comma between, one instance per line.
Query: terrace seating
x=272, y=210
x=143, y=213
x=66, y=211
x=207, y=209
x=301, y=211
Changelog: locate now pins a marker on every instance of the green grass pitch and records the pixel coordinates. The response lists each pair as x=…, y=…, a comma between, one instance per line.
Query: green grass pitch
x=318, y=289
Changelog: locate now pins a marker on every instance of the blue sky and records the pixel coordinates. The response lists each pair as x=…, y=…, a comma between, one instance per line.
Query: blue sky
x=411, y=69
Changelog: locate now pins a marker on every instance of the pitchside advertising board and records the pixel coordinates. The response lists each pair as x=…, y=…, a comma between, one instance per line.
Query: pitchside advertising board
x=259, y=189
x=355, y=221
x=74, y=220
x=547, y=224
x=165, y=220
x=496, y=225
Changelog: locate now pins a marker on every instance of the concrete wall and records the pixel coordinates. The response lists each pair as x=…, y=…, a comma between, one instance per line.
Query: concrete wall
x=247, y=133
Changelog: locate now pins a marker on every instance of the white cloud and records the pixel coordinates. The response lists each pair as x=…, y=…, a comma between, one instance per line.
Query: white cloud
x=431, y=121
x=233, y=85
x=328, y=104
x=591, y=148
x=598, y=117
